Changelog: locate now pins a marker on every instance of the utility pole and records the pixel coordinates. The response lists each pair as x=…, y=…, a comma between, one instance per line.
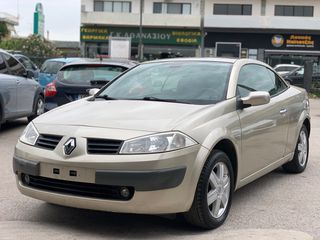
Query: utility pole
x=140, y=47
x=202, y=13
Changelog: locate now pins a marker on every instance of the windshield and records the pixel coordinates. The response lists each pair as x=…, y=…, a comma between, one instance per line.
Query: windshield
x=86, y=74
x=299, y=71
x=51, y=67
x=186, y=82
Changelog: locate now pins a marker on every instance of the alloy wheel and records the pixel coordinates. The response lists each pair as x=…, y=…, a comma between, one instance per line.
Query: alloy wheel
x=40, y=107
x=302, y=148
x=218, y=190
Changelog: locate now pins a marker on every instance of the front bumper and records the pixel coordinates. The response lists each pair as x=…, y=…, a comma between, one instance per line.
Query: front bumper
x=162, y=183
x=139, y=180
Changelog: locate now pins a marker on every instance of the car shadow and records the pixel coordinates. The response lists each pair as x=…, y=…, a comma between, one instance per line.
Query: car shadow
x=13, y=124
x=117, y=225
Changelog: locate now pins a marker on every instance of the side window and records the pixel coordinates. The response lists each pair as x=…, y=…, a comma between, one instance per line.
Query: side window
x=254, y=77
x=27, y=64
x=15, y=67
x=3, y=67
x=279, y=84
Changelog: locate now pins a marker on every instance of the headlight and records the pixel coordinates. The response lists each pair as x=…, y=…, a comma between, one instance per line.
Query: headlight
x=30, y=135
x=157, y=143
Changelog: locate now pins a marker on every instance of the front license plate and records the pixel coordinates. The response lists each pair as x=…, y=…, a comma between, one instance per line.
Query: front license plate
x=76, y=174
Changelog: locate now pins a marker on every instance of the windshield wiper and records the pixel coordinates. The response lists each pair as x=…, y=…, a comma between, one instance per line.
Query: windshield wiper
x=150, y=98
x=105, y=97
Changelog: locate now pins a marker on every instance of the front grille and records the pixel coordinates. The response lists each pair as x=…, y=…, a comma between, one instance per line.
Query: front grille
x=77, y=188
x=103, y=146
x=47, y=141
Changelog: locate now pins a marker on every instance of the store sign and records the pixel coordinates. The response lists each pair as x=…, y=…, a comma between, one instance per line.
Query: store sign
x=38, y=20
x=149, y=36
x=293, y=41
x=277, y=40
x=301, y=41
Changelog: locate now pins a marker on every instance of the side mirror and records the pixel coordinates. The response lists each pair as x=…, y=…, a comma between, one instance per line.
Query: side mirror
x=93, y=91
x=255, y=99
x=29, y=74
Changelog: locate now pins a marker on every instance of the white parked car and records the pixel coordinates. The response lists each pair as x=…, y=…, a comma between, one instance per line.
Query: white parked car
x=282, y=69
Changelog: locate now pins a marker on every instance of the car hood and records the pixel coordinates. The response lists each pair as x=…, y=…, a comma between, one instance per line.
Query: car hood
x=148, y=116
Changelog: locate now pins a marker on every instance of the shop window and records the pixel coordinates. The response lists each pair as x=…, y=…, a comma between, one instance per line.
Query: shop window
x=186, y=8
x=98, y=6
x=117, y=7
x=157, y=7
x=112, y=6
x=293, y=11
x=232, y=9
x=172, y=8
x=108, y=6
x=126, y=7
x=263, y=7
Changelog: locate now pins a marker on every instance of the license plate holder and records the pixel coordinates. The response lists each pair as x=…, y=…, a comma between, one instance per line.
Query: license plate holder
x=67, y=173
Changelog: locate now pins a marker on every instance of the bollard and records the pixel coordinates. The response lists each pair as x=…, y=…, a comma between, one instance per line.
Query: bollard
x=307, y=77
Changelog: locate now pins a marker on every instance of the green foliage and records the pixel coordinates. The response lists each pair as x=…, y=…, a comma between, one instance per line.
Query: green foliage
x=4, y=31
x=34, y=46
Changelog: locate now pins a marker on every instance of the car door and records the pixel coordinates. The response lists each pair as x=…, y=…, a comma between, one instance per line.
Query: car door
x=8, y=91
x=25, y=87
x=263, y=128
x=297, y=77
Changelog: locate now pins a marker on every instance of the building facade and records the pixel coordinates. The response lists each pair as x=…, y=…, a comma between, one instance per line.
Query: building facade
x=285, y=31
x=10, y=21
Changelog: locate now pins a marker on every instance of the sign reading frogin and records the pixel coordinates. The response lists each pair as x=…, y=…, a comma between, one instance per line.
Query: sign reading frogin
x=149, y=35
x=38, y=20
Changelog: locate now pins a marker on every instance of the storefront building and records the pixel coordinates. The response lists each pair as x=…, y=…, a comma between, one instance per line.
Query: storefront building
x=157, y=42
x=285, y=31
x=169, y=28
x=272, y=48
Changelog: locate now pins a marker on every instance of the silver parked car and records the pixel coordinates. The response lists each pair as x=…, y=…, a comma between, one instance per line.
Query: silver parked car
x=169, y=136
x=20, y=95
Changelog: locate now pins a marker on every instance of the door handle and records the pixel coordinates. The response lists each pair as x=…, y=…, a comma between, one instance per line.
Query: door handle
x=18, y=81
x=283, y=111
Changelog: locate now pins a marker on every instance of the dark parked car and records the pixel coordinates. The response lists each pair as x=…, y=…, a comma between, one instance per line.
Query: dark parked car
x=74, y=80
x=29, y=65
x=296, y=76
x=50, y=68
x=20, y=95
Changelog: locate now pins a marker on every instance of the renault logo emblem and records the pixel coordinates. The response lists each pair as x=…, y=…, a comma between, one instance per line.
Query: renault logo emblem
x=69, y=146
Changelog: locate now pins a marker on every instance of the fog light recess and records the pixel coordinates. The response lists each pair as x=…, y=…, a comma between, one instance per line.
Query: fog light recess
x=125, y=192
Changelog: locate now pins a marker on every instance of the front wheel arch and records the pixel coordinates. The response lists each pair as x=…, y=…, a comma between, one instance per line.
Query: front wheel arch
x=199, y=213
x=228, y=148
x=307, y=124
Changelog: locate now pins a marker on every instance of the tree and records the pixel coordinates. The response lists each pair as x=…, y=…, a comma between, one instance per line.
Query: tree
x=34, y=46
x=4, y=31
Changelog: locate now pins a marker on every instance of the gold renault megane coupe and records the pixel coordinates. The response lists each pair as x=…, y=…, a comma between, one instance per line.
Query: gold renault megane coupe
x=168, y=136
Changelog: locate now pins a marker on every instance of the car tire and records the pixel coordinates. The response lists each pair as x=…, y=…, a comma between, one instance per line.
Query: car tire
x=216, y=184
x=301, y=154
x=38, y=108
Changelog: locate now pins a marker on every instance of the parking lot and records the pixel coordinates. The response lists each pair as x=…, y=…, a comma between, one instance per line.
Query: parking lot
x=280, y=205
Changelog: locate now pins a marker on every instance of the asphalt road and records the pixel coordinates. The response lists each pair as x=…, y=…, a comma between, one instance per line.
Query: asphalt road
x=277, y=206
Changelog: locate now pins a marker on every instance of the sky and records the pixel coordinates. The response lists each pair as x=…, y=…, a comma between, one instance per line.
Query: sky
x=62, y=17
